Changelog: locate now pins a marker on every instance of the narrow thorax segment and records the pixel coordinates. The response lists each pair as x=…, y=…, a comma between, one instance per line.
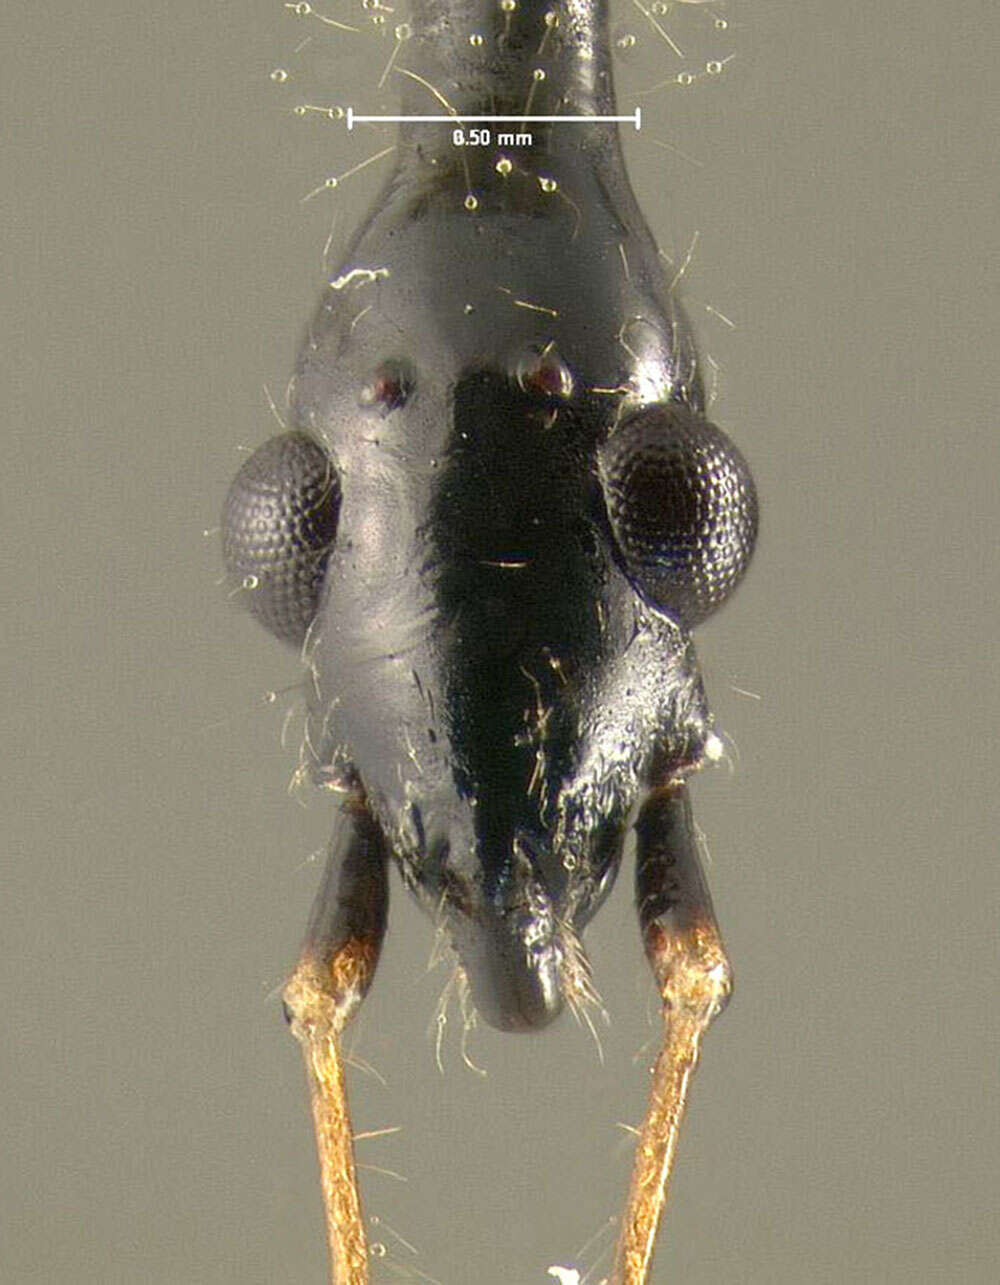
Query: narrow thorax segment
x=518, y=58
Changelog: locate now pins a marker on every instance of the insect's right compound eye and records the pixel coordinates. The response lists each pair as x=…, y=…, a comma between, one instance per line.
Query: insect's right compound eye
x=278, y=524
x=682, y=507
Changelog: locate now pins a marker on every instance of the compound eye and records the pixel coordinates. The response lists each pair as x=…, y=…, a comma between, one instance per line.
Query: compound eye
x=683, y=509
x=278, y=525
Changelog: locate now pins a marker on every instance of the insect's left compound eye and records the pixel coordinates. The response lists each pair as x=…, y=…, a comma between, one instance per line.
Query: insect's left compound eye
x=683, y=509
x=278, y=525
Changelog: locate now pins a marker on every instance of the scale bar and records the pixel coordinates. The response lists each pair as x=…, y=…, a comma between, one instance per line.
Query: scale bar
x=459, y=119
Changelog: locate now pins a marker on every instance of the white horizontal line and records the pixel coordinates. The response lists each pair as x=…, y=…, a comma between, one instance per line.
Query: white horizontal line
x=458, y=119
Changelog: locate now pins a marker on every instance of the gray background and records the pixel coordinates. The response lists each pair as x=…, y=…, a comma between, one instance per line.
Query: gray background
x=159, y=269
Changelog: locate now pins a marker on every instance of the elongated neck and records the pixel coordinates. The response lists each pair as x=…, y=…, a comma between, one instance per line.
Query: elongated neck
x=516, y=58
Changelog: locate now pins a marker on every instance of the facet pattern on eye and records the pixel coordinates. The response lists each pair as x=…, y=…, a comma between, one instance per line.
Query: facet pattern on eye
x=683, y=509
x=278, y=523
